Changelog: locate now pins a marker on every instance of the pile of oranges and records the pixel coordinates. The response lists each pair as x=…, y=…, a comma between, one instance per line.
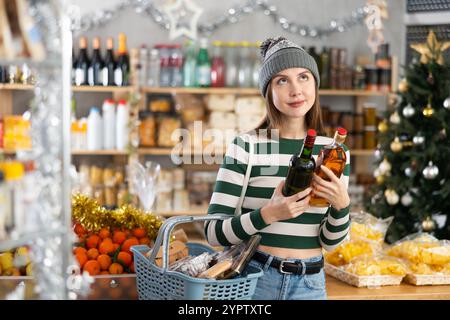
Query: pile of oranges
x=108, y=251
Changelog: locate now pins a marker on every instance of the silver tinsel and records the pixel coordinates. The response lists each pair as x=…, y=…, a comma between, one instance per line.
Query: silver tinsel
x=232, y=15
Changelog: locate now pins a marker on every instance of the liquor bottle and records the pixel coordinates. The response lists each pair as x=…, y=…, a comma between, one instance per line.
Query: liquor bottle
x=109, y=65
x=122, y=71
x=334, y=158
x=203, y=68
x=96, y=67
x=301, y=167
x=217, y=66
x=82, y=65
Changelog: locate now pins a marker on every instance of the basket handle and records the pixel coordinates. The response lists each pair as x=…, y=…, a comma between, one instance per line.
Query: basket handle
x=165, y=230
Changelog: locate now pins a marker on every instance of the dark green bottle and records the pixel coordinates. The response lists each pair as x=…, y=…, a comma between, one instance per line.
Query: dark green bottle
x=301, y=167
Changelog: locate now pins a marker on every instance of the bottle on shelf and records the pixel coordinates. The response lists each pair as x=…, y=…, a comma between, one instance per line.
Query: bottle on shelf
x=96, y=66
x=203, y=67
x=245, y=68
x=143, y=65
x=82, y=64
x=109, y=124
x=94, y=130
x=301, y=167
x=164, y=72
x=122, y=125
x=109, y=64
x=231, y=63
x=122, y=70
x=5, y=205
x=256, y=64
x=217, y=66
x=176, y=66
x=325, y=70
x=154, y=67
x=189, y=65
x=334, y=158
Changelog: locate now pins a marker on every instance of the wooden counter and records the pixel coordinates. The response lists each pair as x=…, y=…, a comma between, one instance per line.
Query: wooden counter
x=338, y=290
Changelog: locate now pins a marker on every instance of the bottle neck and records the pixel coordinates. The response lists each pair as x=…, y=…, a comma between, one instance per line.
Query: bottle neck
x=338, y=139
x=307, y=149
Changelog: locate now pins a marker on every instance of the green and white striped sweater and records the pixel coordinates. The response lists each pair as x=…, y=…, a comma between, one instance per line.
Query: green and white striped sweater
x=316, y=227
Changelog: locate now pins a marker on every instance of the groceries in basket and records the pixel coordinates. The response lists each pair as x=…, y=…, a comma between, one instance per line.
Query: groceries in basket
x=377, y=265
x=366, y=226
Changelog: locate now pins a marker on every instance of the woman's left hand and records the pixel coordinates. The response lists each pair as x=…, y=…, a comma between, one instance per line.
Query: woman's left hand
x=333, y=191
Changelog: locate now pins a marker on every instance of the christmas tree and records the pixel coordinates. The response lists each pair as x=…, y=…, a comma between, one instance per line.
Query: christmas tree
x=413, y=155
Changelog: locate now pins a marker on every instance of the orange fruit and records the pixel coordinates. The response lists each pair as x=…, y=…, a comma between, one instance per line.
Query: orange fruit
x=116, y=246
x=106, y=247
x=139, y=232
x=79, y=230
x=92, y=241
x=82, y=258
x=107, y=240
x=129, y=243
x=104, y=233
x=105, y=261
x=124, y=258
x=92, y=254
x=127, y=232
x=115, y=268
x=132, y=268
x=119, y=237
x=146, y=241
x=93, y=267
x=79, y=250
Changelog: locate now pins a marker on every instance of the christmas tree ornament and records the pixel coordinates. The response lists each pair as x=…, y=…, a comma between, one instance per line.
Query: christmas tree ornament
x=430, y=78
x=431, y=171
x=383, y=126
x=428, y=111
x=406, y=140
x=385, y=167
x=409, y=172
x=403, y=86
x=428, y=224
x=380, y=179
x=376, y=172
x=394, y=118
x=447, y=103
x=183, y=18
x=443, y=134
x=396, y=145
x=394, y=100
x=419, y=139
x=406, y=199
x=408, y=111
x=376, y=197
x=378, y=154
x=432, y=49
x=391, y=196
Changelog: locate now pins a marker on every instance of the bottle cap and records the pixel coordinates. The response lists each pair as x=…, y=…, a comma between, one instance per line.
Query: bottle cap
x=341, y=131
x=110, y=101
x=124, y=102
x=95, y=109
x=312, y=133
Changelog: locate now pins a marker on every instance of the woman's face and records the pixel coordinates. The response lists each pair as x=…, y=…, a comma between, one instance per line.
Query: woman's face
x=293, y=92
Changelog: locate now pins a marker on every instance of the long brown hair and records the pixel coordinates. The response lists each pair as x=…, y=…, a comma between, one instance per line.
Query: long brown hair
x=273, y=118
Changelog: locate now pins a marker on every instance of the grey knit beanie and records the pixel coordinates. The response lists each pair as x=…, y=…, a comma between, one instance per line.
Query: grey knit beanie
x=280, y=54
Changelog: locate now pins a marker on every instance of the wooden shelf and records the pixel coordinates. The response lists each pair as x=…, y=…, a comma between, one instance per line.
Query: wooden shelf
x=99, y=153
x=194, y=212
x=254, y=91
x=16, y=86
x=362, y=152
x=101, y=89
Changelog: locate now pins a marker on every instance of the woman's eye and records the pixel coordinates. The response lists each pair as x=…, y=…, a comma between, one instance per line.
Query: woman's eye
x=281, y=81
x=304, y=77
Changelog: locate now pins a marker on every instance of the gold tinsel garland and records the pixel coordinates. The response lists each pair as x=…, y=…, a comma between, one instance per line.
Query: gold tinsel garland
x=93, y=217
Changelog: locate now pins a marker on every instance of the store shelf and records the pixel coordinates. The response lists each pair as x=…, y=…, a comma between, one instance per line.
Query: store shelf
x=362, y=152
x=16, y=86
x=254, y=91
x=193, y=212
x=101, y=89
x=9, y=244
x=99, y=153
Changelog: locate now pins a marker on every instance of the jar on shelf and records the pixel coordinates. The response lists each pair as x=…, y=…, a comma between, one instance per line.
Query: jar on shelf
x=99, y=194
x=160, y=103
x=123, y=196
x=147, y=129
x=166, y=126
x=110, y=197
x=96, y=176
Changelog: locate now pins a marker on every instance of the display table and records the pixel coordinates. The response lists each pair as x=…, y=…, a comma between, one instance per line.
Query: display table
x=338, y=290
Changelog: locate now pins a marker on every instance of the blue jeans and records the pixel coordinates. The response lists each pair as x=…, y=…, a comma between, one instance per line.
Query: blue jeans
x=274, y=285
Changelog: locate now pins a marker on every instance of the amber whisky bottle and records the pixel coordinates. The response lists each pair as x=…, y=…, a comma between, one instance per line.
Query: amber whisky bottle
x=301, y=167
x=334, y=158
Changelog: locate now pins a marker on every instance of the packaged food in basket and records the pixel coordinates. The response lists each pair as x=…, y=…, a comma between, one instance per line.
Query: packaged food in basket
x=366, y=226
x=177, y=251
x=16, y=262
x=349, y=250
x=377, y=265
x=192, y=266
x=414, y=248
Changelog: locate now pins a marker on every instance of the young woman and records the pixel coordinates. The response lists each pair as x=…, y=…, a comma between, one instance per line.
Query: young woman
x=293, y=233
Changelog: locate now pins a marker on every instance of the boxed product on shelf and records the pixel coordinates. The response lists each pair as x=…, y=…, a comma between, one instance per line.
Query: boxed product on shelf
x=160, y=103
x=190, y=107
x=147, y=129
x=222, y=120
x=180, y=200
x=178, y=178
x=166, y=127
x=220, y=102
x=250, y=105
x=200, y=185
x=246, y=122
x=16, y=133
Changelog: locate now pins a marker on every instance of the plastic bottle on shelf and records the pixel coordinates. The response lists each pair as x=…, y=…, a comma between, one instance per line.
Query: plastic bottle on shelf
x=94, y=130
x=189, y=65
x=143, y=65
x=231, y=62
x=164, y=73
x=203, y=67
x=245, y=66
x=176, y=66
x=217, y=65
x=122, y=125
x=82, y=133
x=154, y=68
x=109, y=124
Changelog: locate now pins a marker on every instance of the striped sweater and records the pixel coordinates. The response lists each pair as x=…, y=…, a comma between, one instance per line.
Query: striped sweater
x=323, y=227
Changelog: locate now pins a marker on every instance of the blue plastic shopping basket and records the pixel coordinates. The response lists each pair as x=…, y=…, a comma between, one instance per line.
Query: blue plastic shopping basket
x=155, y=283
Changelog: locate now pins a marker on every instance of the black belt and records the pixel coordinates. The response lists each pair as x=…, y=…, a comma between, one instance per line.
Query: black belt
x=287, y=267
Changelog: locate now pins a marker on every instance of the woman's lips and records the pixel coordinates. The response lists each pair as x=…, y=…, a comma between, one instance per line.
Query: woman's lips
x=296, y=104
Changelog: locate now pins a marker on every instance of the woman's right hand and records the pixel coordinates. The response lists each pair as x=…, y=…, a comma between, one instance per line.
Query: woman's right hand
x=283, y=208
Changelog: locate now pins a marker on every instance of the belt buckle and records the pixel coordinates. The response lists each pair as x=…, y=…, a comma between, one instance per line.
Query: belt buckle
x=280, y=268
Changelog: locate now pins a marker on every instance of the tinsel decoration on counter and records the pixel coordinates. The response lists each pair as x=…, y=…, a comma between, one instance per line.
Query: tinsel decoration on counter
x=93, y=217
